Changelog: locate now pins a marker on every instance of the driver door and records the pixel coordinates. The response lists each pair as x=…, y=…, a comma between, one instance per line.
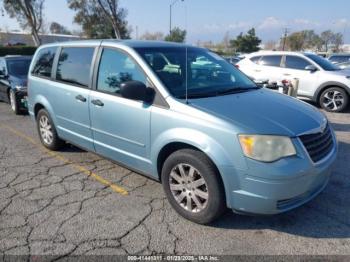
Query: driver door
x=120, y=126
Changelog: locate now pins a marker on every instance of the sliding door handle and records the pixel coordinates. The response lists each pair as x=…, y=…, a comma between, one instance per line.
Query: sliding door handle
x=80, y=98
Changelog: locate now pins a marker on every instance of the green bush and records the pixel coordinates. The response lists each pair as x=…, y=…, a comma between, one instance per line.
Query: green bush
x=17, y=50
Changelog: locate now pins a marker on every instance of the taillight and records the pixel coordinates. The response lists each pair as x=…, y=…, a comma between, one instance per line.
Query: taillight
x=237, y=66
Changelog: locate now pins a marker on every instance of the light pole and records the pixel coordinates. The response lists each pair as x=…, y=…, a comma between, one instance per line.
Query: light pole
x=171, y=12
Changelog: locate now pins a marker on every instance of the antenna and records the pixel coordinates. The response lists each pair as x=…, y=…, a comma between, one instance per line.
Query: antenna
x=186, y=82
x=186, y=75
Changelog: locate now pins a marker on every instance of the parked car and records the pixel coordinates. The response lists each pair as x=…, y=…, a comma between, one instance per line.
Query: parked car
x=319, y=80
x=13, y=81
x=345, y=65
x=214, y=140
x=339, y=58
x=233, y=60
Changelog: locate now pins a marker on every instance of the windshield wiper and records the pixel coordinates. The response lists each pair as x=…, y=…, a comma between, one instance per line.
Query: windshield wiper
x=236, y=90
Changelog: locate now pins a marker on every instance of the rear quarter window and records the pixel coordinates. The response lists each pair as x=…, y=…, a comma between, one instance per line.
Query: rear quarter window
x=255, y=59
x=44, y=61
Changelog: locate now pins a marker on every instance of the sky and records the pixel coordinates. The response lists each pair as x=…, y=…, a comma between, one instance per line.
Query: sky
x=207, y=20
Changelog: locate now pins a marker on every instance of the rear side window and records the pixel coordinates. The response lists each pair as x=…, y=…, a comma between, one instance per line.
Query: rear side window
x=294, y=62
x=271, y=60
x=44, y=61
x=116, y=68
x=255, y=59
x=74, y=65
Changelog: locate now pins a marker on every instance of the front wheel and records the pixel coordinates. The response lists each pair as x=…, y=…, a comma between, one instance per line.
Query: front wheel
x=193, y=186
x=334, y=99
x=14, y=102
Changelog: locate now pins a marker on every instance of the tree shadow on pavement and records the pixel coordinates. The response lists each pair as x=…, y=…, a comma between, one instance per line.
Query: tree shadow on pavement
x=326, y=216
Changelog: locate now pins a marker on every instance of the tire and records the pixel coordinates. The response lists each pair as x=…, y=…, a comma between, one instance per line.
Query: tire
x=14, y=102
x=47, y=131
x=334, y=99
x=202, y=168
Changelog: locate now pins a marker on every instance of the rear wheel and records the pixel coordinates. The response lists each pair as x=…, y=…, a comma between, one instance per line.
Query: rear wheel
x=14, y=102
x=47, y=131
x=193, y=186
x=334, y=99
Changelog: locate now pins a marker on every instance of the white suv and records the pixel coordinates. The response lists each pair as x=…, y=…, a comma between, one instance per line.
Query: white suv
x=319, y=79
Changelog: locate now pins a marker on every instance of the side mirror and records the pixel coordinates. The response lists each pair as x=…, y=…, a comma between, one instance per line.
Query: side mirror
x=311, y=68
x=136, y=90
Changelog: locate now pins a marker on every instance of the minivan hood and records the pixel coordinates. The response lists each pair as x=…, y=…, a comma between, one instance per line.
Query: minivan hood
x=263, y=112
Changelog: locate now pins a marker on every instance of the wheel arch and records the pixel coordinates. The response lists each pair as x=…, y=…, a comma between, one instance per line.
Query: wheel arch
x=327, y=85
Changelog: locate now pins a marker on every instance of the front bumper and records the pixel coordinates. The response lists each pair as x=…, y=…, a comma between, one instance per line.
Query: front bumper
x=22, y=98
x=272, y=188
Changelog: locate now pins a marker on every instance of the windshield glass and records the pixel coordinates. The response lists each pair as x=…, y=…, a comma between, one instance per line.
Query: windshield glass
x=18, y=67
x=322, y=62
x=207, y=73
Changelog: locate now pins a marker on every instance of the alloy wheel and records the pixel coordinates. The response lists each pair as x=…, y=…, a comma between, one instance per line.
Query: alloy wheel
x=333, y=100
x=45, y=130
x=189, y=188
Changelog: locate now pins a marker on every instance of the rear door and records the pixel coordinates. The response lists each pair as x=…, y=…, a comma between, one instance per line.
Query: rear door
x=270, y=68
x=70, y=93
x=121, y=127
x=295, y=68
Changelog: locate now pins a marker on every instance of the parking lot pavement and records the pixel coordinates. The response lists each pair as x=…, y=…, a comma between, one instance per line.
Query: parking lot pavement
x=75, y=202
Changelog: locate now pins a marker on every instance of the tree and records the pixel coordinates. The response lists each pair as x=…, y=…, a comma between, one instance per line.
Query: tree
x=246, y=43
x=176, y=35
x=337, y=41
x=56, y=28
x=115, y=15
x=28, y=13
x=270, y=45
x=92, y=17
x=327, y=37
x=152, y=36
x=296, y=41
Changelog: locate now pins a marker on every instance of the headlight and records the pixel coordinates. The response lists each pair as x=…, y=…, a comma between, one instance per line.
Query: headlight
x=19, y=87
x=266, y=148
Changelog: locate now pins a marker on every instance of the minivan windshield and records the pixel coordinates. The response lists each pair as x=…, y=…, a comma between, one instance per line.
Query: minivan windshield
x=322, y=62
x=18, y=67
x=205, y=73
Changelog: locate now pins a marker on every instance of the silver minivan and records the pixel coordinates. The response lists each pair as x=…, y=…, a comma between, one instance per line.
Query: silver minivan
x=186, y=117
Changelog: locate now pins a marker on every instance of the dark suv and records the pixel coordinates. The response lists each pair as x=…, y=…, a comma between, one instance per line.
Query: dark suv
x=13, y=81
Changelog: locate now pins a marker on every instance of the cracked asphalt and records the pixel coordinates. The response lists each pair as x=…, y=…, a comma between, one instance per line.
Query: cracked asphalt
x=50, y=206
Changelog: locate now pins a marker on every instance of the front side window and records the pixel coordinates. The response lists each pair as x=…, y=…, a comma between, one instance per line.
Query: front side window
x=271, y=60
x=322, y=62
x=74, y=65
x=116, y=68
x=199, y=71
x=294, y=62
x=44, y=61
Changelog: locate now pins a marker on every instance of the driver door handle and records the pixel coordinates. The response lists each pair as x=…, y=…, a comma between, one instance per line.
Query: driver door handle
x=97, y=102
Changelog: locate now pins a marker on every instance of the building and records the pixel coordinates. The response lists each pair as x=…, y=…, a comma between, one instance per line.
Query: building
x=17, y=38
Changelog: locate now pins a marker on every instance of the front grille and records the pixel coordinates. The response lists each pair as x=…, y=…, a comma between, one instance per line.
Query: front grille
x=318, y=145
